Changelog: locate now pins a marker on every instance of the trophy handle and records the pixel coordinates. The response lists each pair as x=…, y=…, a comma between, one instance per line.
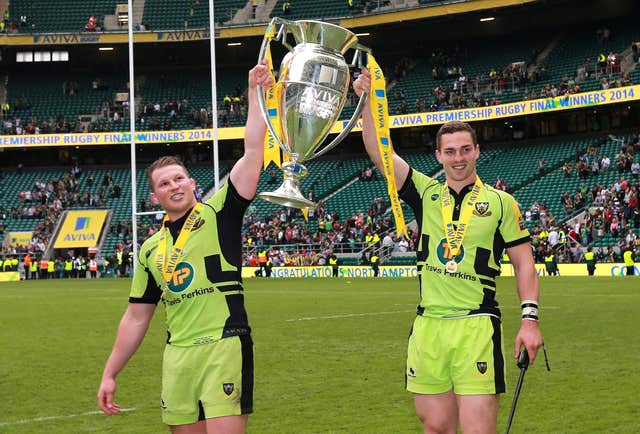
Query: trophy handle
x=356, y=62
x=347, y=129
x=281, y=35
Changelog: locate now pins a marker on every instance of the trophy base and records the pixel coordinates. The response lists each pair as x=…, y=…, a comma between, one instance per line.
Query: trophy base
x=285, y=199
x=289, y=194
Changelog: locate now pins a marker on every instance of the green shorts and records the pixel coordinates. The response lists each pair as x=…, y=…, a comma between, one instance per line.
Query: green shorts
x=207, y=381
x=463, y=354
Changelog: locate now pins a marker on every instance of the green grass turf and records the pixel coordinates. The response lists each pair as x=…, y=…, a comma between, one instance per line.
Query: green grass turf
x=329, y=357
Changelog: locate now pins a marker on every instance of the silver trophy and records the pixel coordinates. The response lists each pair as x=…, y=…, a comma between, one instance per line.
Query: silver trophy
x=315, y=79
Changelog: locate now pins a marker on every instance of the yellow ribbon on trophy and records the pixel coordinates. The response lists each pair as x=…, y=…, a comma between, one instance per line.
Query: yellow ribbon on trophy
x=380, y=112
x=271, y=146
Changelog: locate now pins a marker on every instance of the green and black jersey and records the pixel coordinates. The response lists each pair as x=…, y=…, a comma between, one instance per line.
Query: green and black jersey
x=204, y=300
x=496, y=224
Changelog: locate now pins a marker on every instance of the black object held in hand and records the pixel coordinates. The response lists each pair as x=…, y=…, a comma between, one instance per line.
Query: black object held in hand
x=523, y=364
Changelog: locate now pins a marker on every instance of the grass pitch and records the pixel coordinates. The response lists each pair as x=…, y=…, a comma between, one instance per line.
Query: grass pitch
x=329, y=357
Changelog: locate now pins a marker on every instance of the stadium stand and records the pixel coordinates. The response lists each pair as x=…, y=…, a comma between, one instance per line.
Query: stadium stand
x=52, y=17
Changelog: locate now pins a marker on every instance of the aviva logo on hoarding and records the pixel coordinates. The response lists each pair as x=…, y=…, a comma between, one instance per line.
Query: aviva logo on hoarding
x=81, y=228
x=82, y=223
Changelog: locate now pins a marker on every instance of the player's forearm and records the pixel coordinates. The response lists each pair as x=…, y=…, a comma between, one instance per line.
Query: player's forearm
x=527, y=281
x=131, y=332
x=256, y=127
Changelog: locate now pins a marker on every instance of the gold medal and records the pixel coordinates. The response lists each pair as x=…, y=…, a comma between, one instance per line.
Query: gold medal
x=451, y=267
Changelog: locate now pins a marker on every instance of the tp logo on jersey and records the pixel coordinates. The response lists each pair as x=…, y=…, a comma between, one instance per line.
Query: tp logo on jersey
x=182, y=277
x=444, y=253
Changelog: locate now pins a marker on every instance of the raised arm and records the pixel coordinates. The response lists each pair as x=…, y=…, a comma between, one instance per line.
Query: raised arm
x=246, y=171
x=133, y=327
x=369, y=137
x=527, y=280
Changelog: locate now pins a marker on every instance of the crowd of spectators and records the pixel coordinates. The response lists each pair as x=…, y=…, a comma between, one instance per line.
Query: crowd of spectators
x=609, y=212
x=293, y=241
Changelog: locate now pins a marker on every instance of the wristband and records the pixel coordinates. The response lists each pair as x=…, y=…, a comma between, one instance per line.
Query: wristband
x=529, y=310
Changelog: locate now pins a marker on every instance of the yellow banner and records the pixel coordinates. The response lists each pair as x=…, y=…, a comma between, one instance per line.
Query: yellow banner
x=514, y=109
x=103, y=38
x=606, y=269
x=602, y=269
x=10, y=276
x=19, y=238
x=522, y=108
x=81, y=228
x=326, y=271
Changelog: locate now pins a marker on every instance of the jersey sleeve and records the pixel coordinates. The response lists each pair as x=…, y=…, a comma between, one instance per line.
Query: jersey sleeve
x=414, y=189
x=229, y=200
x=144, y=288
x=512, y=227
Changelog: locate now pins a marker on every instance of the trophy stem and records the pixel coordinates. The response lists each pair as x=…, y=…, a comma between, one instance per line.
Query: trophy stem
x=289, y=194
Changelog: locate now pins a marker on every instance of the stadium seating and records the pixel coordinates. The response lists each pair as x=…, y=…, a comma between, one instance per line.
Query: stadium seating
x=56, y=16
x=301, y=10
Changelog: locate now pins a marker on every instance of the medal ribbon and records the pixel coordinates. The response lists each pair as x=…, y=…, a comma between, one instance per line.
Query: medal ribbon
x=272, y=97
x=454, y=235
x=167, y=265
x=380, y=111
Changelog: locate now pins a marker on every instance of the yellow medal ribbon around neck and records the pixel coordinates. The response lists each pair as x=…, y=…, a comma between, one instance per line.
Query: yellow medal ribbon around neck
x=380, y=112
x=167, y=264
x=454, y=235
x=272, y=97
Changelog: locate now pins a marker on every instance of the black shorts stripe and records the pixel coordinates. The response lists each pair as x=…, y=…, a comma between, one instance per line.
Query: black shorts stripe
x=406, y=379
x=246, y=399
x=498, y=357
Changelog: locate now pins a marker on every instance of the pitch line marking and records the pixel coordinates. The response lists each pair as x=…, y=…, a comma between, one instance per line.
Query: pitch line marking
x=354, y=315
x=45, y=418
x=348, y=315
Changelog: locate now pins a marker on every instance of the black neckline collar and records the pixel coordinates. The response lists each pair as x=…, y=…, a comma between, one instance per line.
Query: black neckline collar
x=176, y=226
x=463, y=192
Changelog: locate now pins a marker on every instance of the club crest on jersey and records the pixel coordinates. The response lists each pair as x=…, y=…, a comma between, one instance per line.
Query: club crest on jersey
x=198, y=224
x=227, y=388
x=444, y=252
x=482, y=209
x=482, y=367
x=181, y=278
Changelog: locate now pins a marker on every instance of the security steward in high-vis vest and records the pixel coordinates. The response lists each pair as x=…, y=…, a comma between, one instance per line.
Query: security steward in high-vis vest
x=333, y=261
x=44, y=268
x=628, y=261
x=51, y=269
x=68, y=268
x=33, y=269
x=550, y=264
x=26, y=262
x=93, y=268
x=262, y=262
x=590, y=259
x=120, y=269
x=375, y=264
x=2, y=264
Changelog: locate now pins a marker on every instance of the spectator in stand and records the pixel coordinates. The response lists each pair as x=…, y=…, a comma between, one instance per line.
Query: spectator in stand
x=542, y=164
x=91, y=24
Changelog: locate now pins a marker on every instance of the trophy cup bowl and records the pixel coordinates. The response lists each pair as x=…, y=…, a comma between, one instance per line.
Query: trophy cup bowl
x=314, y=77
